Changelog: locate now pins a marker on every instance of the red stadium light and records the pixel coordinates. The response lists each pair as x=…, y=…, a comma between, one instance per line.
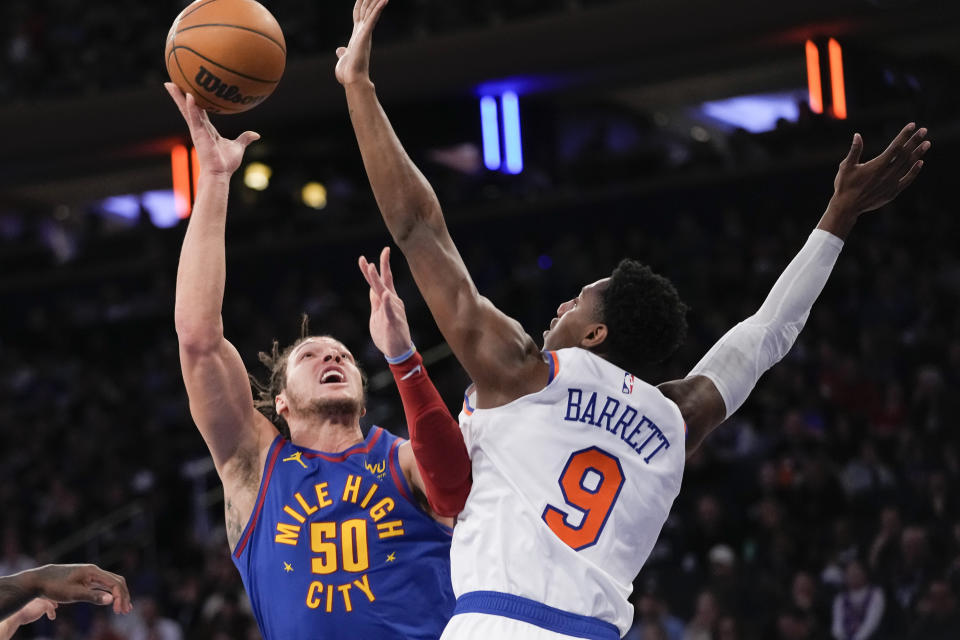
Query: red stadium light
x=195, y=165
x=180, y=163
x=813, y=77
x=836, y=80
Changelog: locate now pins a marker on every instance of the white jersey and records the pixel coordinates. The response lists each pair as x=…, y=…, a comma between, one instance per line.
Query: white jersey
x=571, y=487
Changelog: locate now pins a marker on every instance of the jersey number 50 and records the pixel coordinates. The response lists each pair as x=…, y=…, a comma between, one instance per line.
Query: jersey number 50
x=591, y=482
x=353, y=549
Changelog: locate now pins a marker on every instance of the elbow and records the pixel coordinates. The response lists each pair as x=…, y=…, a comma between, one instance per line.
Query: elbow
x=414, y=221
x=198, y=336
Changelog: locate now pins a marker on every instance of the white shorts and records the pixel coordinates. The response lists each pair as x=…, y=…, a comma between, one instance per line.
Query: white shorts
x=489, y=615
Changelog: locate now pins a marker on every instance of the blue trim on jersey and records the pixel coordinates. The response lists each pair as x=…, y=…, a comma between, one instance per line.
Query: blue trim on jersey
x=536, y=613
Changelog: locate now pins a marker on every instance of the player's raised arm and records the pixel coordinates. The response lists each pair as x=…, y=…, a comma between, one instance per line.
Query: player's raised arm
x=508, y=364
x=435, y=460
x=221, y=400
x=722, y=380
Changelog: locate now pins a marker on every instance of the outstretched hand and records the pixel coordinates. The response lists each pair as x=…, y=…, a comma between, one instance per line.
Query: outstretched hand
x=83, y=583
x=859, y=188
x=34, y=610
x=353, y=64
x=388, y=319
x=216, y=154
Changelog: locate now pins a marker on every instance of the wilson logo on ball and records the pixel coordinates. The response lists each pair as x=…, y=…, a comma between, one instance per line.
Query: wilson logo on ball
x=211, y=83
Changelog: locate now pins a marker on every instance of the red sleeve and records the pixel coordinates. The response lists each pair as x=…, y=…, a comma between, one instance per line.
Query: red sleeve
x=436, y=439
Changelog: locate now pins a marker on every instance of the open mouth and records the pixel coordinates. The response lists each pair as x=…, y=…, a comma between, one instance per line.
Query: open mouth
x=332, y=376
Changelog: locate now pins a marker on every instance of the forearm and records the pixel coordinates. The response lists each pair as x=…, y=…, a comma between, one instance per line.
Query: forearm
x=16, y=591
x=403, y=194
x=741, y=356
x=435, y=437
x=202, y=271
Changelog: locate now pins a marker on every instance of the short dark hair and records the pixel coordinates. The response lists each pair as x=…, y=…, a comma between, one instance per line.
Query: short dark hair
x=266, y=392
x=646, y=320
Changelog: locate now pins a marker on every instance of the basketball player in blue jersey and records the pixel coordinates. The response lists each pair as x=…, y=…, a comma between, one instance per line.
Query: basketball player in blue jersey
x=575, y=461
x=326, y=526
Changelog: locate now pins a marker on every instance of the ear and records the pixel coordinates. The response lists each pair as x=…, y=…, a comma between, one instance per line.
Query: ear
x=594, y=335
x=363, y=412
x=281, y=405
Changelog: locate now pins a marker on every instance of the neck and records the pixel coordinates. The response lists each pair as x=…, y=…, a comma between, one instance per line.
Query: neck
x=332, y=433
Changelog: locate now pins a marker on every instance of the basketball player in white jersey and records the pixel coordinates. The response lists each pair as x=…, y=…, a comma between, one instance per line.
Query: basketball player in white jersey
x=576, y=462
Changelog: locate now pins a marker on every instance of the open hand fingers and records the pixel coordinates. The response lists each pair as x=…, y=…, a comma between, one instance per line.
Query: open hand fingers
x=372, y=277
x=905, y=181
x=108, y=588
x=856, y=148
x=894, y=148
x=247, y=137
x=178, y=98
x=386, y=273
x=370, y=11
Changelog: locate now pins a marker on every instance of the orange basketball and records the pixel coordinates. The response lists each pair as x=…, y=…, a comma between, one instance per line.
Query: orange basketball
x=229, y=54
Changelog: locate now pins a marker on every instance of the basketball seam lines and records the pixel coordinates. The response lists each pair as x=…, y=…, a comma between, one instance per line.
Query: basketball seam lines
x=234, y=26
x=197, y=8
x=214, y=62
x=195, y=89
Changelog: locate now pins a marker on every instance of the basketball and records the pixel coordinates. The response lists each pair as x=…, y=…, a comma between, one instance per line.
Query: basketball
x=230, y=54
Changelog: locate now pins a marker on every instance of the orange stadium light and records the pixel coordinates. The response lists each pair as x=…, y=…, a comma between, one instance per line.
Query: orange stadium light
x=195, y=173
x=813, y=78
x=180, y=163
x=836, y=80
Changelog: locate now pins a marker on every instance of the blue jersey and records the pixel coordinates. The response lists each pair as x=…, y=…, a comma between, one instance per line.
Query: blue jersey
x=338, y=548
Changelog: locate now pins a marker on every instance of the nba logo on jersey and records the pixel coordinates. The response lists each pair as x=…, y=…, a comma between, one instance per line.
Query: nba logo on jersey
x=628, y=380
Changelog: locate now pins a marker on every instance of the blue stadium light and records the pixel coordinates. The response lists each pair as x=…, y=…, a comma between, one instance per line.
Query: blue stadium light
x=755, y=113
x=491, y=132
x=162, y=207
x=511, y=132
x=126, y=206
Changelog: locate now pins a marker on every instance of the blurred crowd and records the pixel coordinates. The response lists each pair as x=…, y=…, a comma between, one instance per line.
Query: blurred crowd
x=825, y=508
x=71, y=47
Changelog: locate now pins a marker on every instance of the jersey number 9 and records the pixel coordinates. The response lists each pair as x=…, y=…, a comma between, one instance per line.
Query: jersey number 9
x=590, y=482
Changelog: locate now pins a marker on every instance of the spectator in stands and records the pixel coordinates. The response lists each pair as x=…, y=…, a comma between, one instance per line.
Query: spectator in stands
x=858, y=609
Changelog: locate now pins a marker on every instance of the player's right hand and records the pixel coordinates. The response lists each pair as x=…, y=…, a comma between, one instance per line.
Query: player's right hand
x=82, y=583
x=216, y=154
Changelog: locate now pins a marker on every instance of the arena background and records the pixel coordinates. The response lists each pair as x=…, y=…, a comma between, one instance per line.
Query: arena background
x=847, y=450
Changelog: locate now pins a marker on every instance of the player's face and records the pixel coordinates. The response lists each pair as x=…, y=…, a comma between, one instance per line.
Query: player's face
x=322, y=372
x=574, y=316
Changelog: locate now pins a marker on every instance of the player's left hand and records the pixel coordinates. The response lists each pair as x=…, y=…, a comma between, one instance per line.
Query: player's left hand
x=353, y=64
x=34, y=610
x=859, y=188
x=388, y=318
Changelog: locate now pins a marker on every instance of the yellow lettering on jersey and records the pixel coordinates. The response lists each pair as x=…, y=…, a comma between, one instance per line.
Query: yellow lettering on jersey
x=381, y=509
x=287, y=534
x=293, y=513
x=345, y=590
x=366, y=499
x=390, y=529
x=364, y=585
x=312, y=600
x=352, y=489
x=303, y=503
x=322, y=498
x=319, y=594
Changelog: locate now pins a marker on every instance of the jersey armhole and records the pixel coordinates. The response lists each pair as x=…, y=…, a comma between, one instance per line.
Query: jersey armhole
x=261, y=495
